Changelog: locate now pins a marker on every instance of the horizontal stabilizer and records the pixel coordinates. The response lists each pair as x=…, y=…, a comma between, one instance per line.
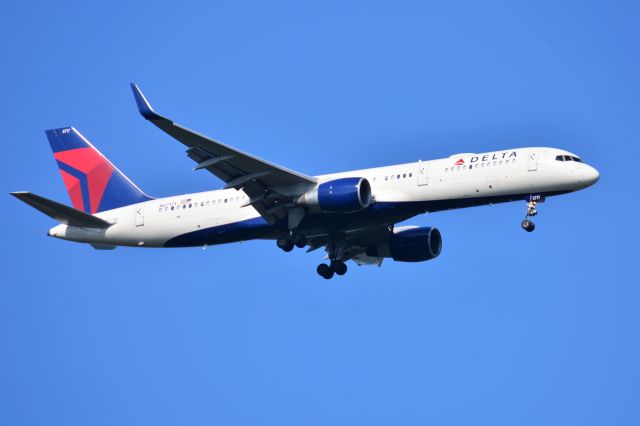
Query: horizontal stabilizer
x=63, y=214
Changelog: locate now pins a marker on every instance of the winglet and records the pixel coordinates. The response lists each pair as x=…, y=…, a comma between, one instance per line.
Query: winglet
x=143, y=105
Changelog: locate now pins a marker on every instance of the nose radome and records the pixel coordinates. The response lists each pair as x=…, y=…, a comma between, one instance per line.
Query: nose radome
x=590, y=175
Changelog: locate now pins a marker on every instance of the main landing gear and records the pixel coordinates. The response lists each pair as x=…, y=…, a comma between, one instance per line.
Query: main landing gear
x=335, y=267
x=336, y=251
x=293, y=240
x=527, y=224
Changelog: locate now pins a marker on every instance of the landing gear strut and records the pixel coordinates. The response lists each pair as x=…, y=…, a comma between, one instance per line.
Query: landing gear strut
x=527, y=224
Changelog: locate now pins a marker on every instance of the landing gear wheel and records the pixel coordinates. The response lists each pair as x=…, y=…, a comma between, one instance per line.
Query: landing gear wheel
x=299, y=240
x=325, y=271
x=285, y=244
x=528, y=226
x=339, y=267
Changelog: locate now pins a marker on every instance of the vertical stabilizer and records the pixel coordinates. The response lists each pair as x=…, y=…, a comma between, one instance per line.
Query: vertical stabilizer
x=94, y=184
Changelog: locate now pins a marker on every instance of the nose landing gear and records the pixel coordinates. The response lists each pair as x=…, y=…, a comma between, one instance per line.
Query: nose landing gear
x=532, y=204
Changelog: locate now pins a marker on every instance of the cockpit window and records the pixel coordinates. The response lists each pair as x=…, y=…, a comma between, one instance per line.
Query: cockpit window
x=568, y=158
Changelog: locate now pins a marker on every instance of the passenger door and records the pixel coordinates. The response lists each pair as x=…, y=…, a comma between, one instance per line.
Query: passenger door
x=532, y=161
x=139, y=216
x=423, y=174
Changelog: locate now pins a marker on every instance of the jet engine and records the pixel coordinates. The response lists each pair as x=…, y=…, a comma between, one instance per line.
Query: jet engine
x=344, y=195
x=414, y=244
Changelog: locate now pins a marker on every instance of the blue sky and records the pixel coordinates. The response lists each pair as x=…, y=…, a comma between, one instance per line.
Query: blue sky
x=504, y=328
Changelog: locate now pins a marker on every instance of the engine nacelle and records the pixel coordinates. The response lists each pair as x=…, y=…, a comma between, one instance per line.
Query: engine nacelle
x=344, y=195
x=414, y=244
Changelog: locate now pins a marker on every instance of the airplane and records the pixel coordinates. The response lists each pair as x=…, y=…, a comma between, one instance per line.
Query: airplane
x=352, y=215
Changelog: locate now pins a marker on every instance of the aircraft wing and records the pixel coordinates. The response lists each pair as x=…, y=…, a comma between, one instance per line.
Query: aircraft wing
x=271, y=188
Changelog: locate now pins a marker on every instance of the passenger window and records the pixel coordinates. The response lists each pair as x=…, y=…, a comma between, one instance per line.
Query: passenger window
x=225, y=200
x=446, y=169
x=410, y=174
x=398, y=176
x=500, y=162
x=458, y=168
x=404, y=175
x=507, y=162
x=171, y=207
x=495, y=163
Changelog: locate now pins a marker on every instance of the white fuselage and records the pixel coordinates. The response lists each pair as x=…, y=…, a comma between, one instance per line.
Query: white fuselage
x=458, y=181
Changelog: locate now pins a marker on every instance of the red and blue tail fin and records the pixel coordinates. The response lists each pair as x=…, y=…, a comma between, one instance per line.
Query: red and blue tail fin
x=93, y=183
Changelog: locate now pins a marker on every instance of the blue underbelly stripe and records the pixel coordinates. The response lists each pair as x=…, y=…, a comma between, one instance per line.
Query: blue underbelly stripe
x=378, y=213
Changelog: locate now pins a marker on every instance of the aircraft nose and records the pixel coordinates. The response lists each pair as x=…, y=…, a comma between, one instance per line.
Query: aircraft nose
x=590, y=175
